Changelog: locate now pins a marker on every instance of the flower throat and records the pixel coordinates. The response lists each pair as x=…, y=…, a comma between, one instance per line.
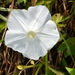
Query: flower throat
x=31, y=34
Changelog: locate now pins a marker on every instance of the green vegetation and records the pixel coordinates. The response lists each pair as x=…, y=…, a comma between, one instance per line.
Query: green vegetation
x=60, y=60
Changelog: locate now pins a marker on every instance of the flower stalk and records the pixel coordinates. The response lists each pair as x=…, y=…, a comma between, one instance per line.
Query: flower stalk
x=46, y=64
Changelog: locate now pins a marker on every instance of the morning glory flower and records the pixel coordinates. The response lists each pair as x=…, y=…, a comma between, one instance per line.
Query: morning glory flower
x=31, y=32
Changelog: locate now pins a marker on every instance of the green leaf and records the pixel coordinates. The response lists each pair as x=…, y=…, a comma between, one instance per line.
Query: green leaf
x=71, y=44
x=57, y=18
x=40, y=2
x=25, y=1
x=64, y=63
x=1, y=41
x=71, y=41
x=61, y=47
x=61, y=25
x=71, y=71
x=50, y=72
x=20, y=1
x=64, y=35
x=47, y=2
x=43, y=2
x=55, y=71
x=2, y=26
x=68, y=48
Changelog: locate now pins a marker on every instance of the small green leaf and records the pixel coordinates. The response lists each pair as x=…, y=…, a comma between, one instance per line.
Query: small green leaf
x=43, y=2
x=61, y=25
x=71, y=71
x=47, y=2
x=40, y=2
x=57, y=18
x=1, y=41
x=20, y=1
x=64, y=35
x=2, y=26
x=25, y=1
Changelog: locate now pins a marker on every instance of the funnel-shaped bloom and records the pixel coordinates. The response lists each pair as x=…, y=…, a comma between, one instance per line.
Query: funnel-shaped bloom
x=31, y=32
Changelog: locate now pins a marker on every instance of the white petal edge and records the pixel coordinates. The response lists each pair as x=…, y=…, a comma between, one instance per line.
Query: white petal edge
x=40, y=15
x=49, y=35
x=16, y=40
x=34, y=49
x=19, y=20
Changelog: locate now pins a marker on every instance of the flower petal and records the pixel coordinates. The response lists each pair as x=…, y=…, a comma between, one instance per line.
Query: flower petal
x=49, y=35
x=16, y=40
x=40, y=15
x=34, y=49
x=19, y=20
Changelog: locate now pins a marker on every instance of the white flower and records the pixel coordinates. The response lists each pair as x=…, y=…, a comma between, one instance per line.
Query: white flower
x=31, y=32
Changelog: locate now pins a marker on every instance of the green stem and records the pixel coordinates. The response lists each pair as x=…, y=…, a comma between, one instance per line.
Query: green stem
x=30, y=66
x=53, y=70
x=56, y=72
x=73, y=13
x=3, y=18
x=21, y=67
x=46, y=64
x=40, y=65
x=5, y=9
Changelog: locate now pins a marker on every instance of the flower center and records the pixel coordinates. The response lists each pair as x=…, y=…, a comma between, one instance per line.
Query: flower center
x=31, y=34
